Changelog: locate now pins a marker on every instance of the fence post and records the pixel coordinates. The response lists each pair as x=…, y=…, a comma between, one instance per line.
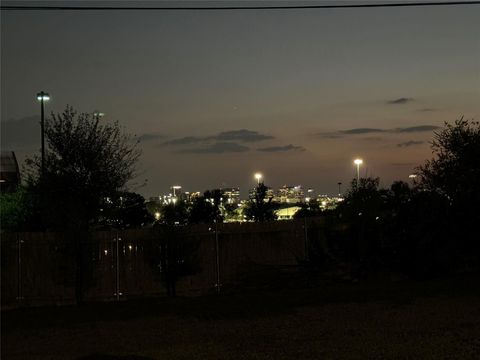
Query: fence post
x=117, y=267
x=19, y=267
x=217, y=260
x=305, y=227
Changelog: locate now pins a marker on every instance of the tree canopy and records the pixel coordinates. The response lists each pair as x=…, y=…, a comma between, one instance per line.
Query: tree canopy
x=455, y=169
x=86, y=161
x=260, y=207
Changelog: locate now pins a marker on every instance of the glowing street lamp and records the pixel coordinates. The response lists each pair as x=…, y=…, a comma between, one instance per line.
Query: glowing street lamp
x=175, y=187
x=358, y=162
x=42, y=97
x=98, y=114
x=258, y=176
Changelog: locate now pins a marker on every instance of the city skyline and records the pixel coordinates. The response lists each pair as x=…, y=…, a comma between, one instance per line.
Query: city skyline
x=257, y=179
x=215, y=97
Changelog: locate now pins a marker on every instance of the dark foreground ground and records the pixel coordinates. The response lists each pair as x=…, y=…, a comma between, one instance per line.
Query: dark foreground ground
x=436, y=319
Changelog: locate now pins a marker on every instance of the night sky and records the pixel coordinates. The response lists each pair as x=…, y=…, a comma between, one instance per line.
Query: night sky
x=217, y=96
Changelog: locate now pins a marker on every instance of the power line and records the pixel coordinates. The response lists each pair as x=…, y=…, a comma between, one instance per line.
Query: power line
x=223, y=8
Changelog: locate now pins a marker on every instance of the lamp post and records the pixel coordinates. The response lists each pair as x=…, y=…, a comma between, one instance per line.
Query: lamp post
x=339, y=188
x=258, y=176
x=42, y=97
x=358, y=162
x=175, y=187
x=98, y=114
x=413, y=178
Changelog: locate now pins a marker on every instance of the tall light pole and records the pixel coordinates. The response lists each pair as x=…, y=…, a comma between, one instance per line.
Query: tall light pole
x=42, y=97
x=358, y=162
x=175, y=187
x=339, y=188
x=98, y=114
x=258, y=176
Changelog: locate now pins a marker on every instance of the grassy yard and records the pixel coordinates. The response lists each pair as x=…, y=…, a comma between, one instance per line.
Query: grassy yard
x=368, y=320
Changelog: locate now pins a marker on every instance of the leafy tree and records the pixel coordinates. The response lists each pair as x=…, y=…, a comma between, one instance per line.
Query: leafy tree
x=310, y=209
x=86, y=161
x=455, y=169
x=172, y=254
x=203, y=211
x=454, y=173
x=362, y=212
x=231, y=212
x=260, y=208
x=174, y=214
x=214, y=196
x=364, y=198
x=125, y=210
x=16, y=210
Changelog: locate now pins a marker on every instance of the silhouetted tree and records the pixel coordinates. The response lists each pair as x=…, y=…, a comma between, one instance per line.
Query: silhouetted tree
x=19, y=211
x=206, y=209
x=364, y=198
x=454, y=173
x=174, y=213
x=310, y=209
x=363, y=211
x=86, y=161
x=125, y=210
x=172, y=254
x=455, y=170
x=259, y=207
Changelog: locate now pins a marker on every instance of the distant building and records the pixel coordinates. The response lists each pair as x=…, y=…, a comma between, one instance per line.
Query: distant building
x=290, y=195
x=270, y=194
x=287, y=213
x=190, y=197
x=327, y=202
x=9, y=172
x=230, y=195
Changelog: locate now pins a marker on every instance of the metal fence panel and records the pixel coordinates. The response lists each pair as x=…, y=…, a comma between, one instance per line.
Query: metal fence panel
x=39, y=268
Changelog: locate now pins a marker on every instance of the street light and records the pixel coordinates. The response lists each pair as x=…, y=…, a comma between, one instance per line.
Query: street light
x=258, y=176
x=42, y=97
x=358, y=162
x=412, y=178
x=176, y=187
x=98, y=114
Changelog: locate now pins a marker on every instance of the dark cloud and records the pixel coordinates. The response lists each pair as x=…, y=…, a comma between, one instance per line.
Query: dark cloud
x=217, y=148
x=363, y=131
x=21, y=133
x=410, y=143
x=184, y=141
x=360, y=131
x=420, y=128
x=288, y=147
x=400, y=101
x=149, y=137
x=243, y=135
x=329, y=135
